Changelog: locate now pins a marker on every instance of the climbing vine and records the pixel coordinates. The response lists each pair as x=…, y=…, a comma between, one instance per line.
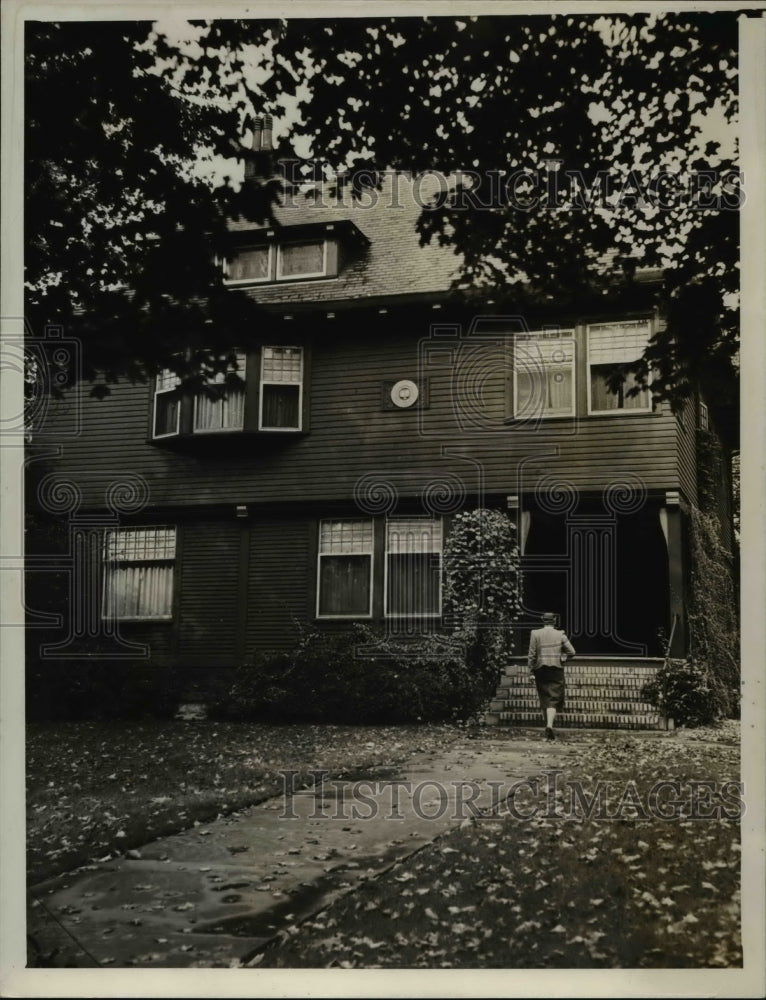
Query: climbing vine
x=482, y=588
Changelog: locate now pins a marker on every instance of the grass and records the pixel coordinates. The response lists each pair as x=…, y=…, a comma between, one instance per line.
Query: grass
x=96, y=789
x=545, y=886
x=556, y=890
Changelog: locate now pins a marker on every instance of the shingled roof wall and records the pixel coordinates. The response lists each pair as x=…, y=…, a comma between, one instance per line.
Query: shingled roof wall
x=394, y=263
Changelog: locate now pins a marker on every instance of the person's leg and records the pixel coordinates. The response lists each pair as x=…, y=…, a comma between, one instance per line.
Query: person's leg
x=550, y=716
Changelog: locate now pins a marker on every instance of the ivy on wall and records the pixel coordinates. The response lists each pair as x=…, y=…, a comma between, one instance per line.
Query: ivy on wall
x=482, y=589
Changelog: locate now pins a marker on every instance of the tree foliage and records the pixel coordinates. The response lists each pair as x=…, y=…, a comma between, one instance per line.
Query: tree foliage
x=550, y=100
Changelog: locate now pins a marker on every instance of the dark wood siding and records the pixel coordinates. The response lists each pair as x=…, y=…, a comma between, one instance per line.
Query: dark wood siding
x=687, y=450
x=462, y=433
x=208, y=573
x=278, y=592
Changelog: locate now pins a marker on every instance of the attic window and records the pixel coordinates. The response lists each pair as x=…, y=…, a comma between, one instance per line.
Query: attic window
x=250, y=264
x=307, y=259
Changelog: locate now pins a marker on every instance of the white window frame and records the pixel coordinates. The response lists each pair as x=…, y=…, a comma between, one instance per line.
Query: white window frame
x=262, y=383
x=704, y=417
x=560, y=334
x=617, y=411
x=241, y=372
x=235, y=282
x=306, y=274
x=163, y=392
x=107, y=564
x=321, y=555
x=404, y=615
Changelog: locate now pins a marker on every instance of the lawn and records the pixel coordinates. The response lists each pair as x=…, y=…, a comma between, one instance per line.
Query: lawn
x=556, y=878
x=548, y=889
x=96, y=790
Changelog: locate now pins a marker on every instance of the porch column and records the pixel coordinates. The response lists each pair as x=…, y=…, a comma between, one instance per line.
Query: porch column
x=672, y=528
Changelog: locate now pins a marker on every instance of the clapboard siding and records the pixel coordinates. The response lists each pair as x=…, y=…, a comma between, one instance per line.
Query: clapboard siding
x=278, y=583
x=208, y=588
x=351, y=435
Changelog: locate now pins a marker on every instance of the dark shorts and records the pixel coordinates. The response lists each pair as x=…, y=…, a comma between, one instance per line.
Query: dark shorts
x=550, y=687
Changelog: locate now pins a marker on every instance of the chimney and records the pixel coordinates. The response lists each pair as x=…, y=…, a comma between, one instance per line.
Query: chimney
x=258, y=158
x=268, y=126
x=257, y=133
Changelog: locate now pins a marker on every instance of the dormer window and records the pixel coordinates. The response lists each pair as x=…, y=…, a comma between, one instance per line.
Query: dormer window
x=249, y=264
x=291, y=253
x=307, y=259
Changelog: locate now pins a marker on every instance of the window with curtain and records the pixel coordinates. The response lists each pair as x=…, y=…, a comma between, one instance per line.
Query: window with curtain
x=543, y=367
x=167, y=404
x=611, y=345
x=223, y=408
x=344, y=586
x=413, y=567
x=249, y=264
x=281, y=389
x=138, y=573
x=302, y=260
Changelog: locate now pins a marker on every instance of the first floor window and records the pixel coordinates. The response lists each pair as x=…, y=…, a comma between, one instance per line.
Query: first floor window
x=413, y=567
x=543, y=366
x=609, y=346
x=345, y=568
x=281, y=389
x=138, y=573
x=222, y=408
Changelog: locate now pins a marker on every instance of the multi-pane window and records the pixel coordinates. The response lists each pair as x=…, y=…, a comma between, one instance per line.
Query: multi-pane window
x=609, y=346
x=138, y=573
x=413, y=567
x=222, y=407
x=167, y=404
x=281, y=389
x=250, y=264
x=543, y=369
x=345, y=568
x=302, y=260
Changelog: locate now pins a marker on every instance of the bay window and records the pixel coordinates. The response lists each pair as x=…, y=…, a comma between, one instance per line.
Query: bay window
x=138, y=573
x=281, y=389
x=167, y=405
x=222, y=406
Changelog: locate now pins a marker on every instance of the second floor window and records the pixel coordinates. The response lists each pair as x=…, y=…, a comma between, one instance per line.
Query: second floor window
x=544, y=379
x=281, y=388
x=609, y=346
x=223, y=407
x=302, y=260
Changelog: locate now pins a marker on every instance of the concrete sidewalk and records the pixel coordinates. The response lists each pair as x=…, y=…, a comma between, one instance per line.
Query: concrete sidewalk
x=214, y=895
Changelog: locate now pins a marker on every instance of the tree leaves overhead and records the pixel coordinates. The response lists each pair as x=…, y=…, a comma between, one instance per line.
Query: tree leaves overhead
x=644, y=99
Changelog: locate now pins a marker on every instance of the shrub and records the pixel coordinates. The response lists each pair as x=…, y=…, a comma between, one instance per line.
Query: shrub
x=101, y=689
x=682, y=691
x=358, y=676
